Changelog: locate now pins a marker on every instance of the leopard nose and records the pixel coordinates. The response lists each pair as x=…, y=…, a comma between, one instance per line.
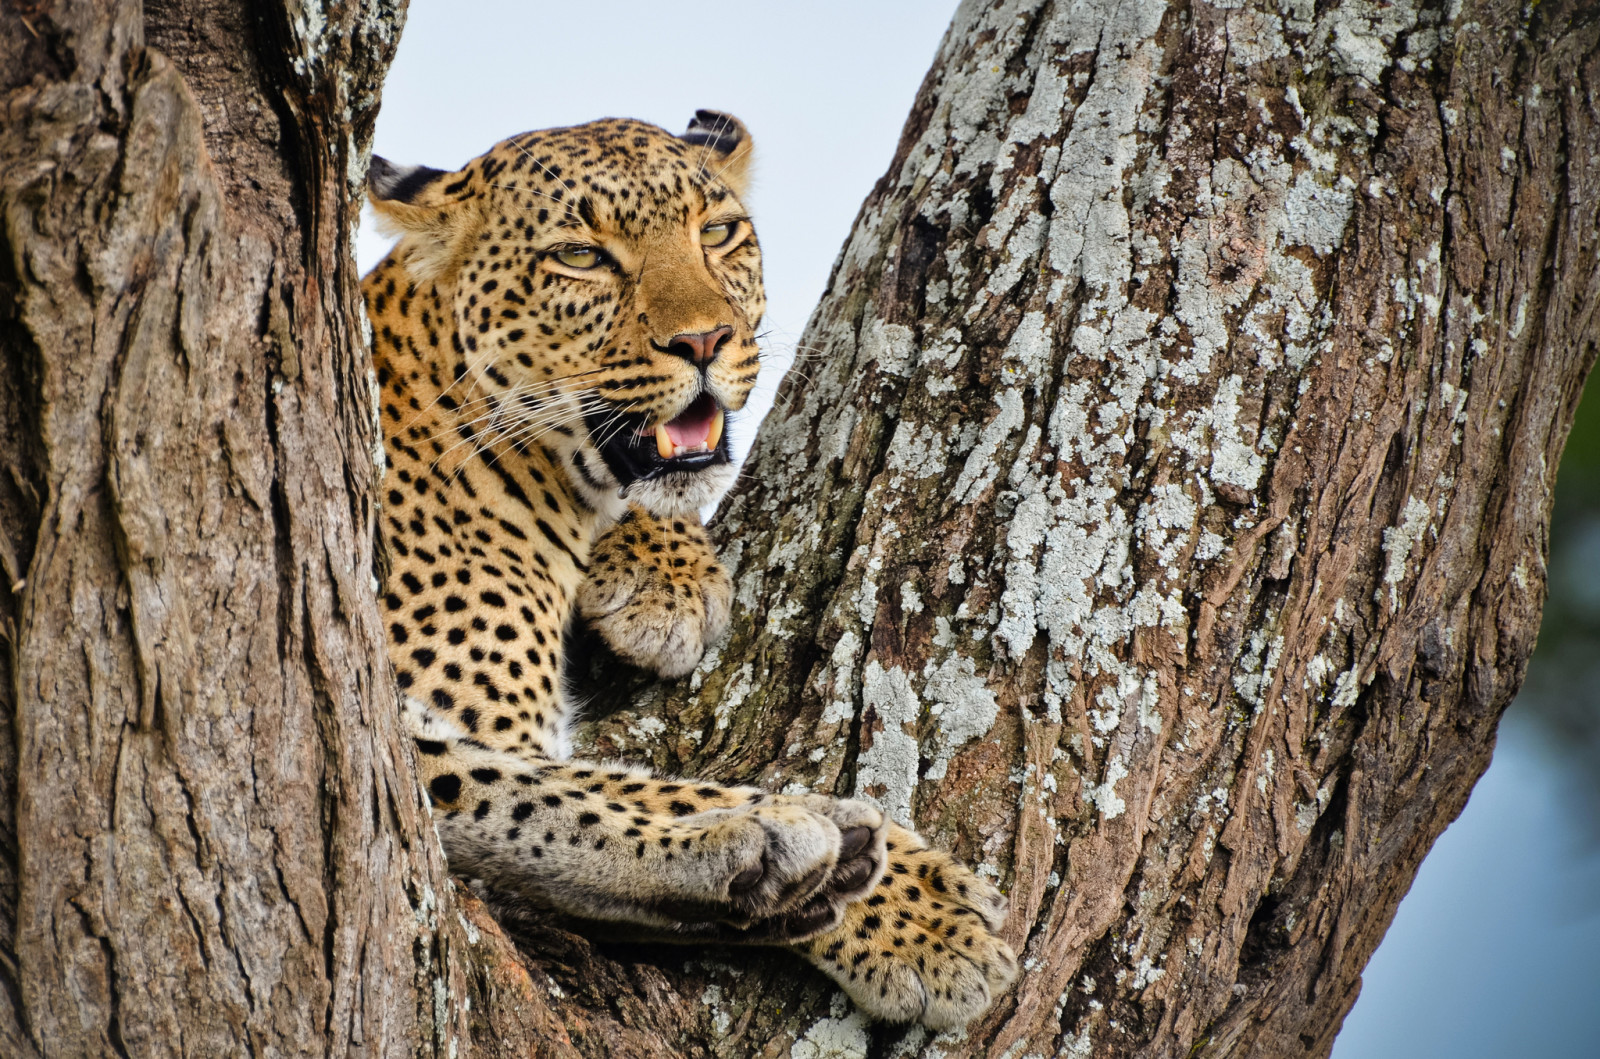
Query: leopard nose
x=702, y=348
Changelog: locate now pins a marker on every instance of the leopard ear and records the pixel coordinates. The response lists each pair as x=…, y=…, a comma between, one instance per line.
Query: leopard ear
x=434, y=213
x=726, y=137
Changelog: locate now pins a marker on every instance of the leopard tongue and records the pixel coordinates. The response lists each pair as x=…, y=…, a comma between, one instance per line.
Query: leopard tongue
x=689, y=433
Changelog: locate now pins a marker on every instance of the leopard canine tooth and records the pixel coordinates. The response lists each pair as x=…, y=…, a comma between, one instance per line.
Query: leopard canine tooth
x=714, y=435
x=664, y=444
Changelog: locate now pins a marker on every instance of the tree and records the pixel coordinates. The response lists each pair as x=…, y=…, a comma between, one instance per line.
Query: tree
x=211, y=846
x=1160, y=520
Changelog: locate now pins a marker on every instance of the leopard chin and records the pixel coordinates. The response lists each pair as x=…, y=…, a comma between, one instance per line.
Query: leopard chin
x=680, y=493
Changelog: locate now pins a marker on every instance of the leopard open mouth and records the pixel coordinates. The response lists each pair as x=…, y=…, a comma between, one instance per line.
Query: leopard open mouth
x=635, y=451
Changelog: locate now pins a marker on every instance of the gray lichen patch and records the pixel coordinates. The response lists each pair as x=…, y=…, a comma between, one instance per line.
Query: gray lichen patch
x=1108, y=509
x=888, y=765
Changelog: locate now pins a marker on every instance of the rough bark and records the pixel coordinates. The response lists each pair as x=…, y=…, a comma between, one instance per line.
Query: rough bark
x=212, y=843
x=1159, y=513
x=1157, y=517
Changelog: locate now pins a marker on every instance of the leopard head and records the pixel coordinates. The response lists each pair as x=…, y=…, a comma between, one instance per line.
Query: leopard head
x=604, y=287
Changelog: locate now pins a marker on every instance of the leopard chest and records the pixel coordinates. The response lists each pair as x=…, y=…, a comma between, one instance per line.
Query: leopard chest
x=487, y=549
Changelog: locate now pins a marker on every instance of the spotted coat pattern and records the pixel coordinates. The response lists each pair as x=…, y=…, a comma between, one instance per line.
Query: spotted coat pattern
x=560, y=333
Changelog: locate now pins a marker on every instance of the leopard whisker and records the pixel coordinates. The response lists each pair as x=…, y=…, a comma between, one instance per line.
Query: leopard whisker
x=517, y=393
x=466, y=377
x=491, y=422
x=529, y=432
x=517, y=188
x=519, y=145
x=718, y=174
x=529, y=429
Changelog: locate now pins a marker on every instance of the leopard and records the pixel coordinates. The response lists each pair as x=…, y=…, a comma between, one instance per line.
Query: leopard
x=560, y=333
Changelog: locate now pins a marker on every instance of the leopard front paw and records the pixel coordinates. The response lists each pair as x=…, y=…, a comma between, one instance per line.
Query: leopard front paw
x=925, y=946
x=771, y=911
x=656, y=593
x=863, y=853
x=736, y=867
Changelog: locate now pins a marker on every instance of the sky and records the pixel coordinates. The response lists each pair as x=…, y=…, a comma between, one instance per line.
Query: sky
x=1495, y=953
x=1496, y=950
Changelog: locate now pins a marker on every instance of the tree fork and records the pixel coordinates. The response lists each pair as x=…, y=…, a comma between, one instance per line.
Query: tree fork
x=1158, y=516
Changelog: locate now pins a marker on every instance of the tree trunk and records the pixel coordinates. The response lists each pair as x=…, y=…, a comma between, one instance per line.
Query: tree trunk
x=1158, y=519
x=1159, y=512
x=212, y=842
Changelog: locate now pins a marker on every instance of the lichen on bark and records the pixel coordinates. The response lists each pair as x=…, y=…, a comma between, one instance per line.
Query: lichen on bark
x=1159, y=520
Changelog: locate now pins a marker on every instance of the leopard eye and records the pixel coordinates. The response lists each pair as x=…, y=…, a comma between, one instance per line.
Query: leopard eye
x=716, y=234
x=579, y=257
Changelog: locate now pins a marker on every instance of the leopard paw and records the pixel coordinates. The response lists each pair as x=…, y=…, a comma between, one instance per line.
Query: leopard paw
x=748, y=864
x=858, y=863
x=863, y=853
x=656, y=593
x=924, y=947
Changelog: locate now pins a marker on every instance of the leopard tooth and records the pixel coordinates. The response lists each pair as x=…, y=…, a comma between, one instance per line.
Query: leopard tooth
x=715, y=434
x=664, y=444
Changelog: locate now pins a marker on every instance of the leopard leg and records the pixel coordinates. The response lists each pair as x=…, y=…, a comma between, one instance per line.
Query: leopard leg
x=925, y=946
x=617, y=844
x=655, y=591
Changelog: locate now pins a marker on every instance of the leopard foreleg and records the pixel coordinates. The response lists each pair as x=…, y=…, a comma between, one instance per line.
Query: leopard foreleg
x=613, y=843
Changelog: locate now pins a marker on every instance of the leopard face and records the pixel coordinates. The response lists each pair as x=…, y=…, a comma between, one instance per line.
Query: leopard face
x=605, y=292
